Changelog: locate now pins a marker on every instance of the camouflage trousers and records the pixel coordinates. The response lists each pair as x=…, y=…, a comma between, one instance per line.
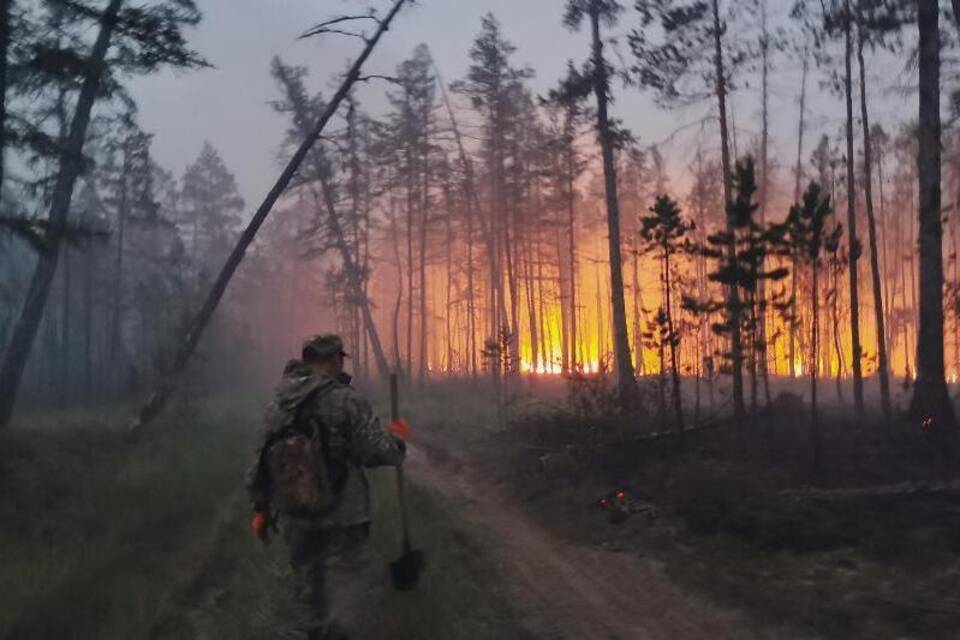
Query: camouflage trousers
x=332, y=568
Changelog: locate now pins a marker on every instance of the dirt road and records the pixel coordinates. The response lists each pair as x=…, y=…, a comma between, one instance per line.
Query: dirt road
x=559, y=590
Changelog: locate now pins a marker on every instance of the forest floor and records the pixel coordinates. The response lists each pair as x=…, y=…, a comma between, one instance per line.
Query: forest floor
x=738, y=520
x=108, y=536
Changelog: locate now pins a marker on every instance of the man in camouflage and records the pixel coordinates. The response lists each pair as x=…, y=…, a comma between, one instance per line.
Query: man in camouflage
x=329, y=551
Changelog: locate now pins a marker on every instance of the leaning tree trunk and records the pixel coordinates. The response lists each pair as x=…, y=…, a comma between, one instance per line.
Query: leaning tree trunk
x=71, y=163
x=883, y=367
x=195, y=329
x=733, y=294
x=472, y=205
x=930, y=400
x=627, y=384
x=854, y=253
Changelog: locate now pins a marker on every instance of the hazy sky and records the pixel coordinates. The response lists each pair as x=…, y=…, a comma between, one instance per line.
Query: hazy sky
x=229, y=105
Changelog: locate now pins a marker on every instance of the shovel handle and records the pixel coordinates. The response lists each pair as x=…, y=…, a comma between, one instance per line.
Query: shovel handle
x=403, y=509
x=401, y=494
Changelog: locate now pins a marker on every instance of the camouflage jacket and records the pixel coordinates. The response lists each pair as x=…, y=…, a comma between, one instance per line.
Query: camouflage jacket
x=356, y=440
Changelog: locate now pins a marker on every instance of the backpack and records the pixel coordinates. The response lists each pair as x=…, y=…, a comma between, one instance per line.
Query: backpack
x=302, y=478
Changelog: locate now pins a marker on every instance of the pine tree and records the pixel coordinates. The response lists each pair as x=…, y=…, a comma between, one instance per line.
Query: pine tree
x=808, y=231
x=210, y=205
x=680, y=53
x=492, y=85
x=930, y=404
x=569, y=111
x=145, y=39
x=664, y=233
x=597, y=76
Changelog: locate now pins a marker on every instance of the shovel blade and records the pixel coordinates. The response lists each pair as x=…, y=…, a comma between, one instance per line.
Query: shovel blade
x=406, y=571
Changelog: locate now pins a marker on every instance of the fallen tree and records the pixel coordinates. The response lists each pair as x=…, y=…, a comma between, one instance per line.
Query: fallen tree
x=885, y=492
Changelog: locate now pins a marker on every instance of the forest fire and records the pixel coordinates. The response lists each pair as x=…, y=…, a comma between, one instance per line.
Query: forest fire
x=691, y=264
x=445, y=238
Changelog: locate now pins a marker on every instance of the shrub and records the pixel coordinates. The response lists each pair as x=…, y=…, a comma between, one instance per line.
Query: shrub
x=707, y=495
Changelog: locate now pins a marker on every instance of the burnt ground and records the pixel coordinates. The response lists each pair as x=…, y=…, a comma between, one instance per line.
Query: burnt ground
x=562, y=588
x=672, y=534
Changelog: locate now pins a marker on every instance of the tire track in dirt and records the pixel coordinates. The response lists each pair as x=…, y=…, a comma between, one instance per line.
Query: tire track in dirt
x=198, y=578
x=559, y=590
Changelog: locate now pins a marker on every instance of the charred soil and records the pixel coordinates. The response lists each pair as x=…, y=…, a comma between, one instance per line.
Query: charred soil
x=730, y=517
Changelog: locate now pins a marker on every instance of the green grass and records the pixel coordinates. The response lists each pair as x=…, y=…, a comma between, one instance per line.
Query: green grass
x=110, y=536
x=97, y=522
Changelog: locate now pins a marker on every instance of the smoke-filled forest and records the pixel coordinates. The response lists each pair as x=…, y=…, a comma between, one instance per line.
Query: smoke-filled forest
x=657, y=301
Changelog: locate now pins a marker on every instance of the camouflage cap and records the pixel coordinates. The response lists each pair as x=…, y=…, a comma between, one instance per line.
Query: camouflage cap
x=324, y=346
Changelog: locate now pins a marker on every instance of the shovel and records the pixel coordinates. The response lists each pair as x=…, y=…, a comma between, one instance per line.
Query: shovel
x=405, y=571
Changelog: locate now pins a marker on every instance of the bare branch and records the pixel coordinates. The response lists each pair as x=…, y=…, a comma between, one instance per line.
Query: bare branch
x=340, y=32
x=376, y=76
x=325, y=26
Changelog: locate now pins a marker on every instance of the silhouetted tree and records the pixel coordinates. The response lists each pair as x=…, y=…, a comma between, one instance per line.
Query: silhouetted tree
x=597, y=76
x=807, y=229
x=665, y=233
x=930, y=403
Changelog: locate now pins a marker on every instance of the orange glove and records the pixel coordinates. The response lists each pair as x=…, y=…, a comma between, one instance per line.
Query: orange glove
x=399, y=428
x=260, y=522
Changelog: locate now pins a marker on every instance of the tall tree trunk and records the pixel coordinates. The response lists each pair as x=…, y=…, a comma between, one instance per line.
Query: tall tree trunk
x=797, y=187
x=814, y=338
x=5, y=9
x=398, y=303
x=160, y=395
x=883, y=366
x=65, y=331
x=448, y=332
x=71, y=163
x=854, y=242
x=887, y=296
x=424, y=222
x=566, y=345
x=930, y=400
x=472, y=205
x=838, y=348
x=535, y=336
x=637, y=307
x=117, y=367
x=411, y=199
x=471, y=298
x=88, y=326
x=512, y=278
x=576, y=355
x=952, y=301
x=764, y=194
x=627, y=384
x=546, y=332
x=355, y=222
x=903, y=298
x=733, y=295
x=674, y=344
